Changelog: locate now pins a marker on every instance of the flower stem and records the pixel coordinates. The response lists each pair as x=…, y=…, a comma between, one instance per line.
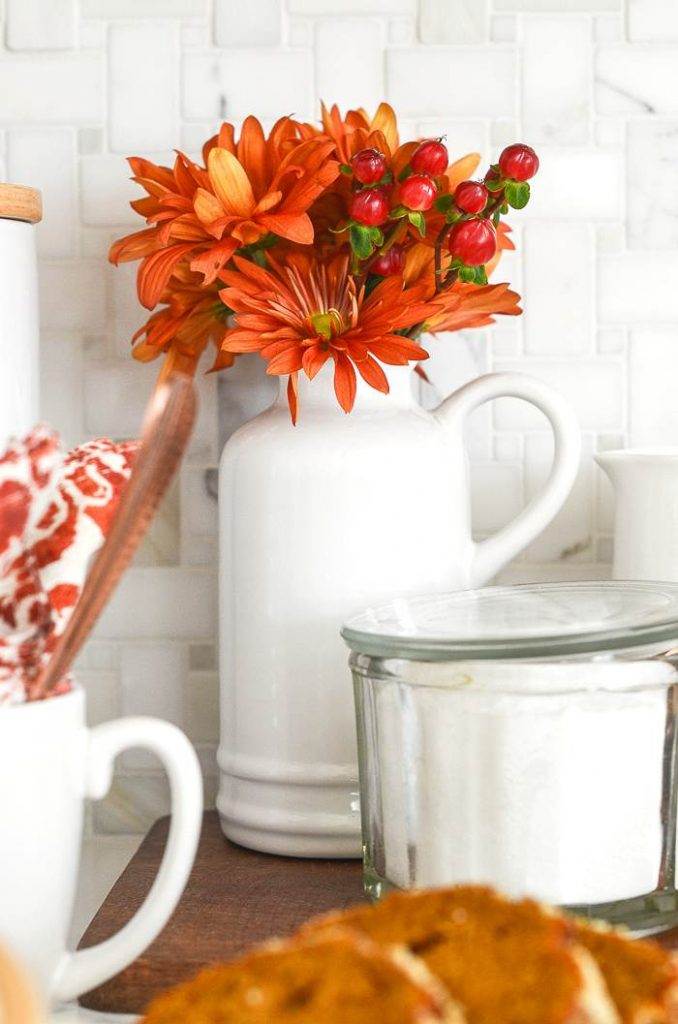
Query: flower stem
x=442, y=234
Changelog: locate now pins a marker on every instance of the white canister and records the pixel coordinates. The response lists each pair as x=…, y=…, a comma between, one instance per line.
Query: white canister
x=20, y=211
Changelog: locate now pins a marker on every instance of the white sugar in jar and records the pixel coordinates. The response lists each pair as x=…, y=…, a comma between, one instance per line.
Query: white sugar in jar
x=20, y=211
x=523, y=737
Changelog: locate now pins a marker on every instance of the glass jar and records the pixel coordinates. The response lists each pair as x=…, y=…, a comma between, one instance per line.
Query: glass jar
x=523, y=737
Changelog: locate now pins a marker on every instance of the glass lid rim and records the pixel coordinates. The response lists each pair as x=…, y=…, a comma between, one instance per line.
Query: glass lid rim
x=383, y=644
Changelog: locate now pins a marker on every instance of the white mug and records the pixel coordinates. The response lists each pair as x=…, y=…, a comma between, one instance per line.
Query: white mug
x=645, y=482
x=50, y=763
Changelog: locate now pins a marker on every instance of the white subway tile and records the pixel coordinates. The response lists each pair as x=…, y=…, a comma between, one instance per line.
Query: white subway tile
x=610, y=132
x=556, y=80
x=106, y=191
x=638, y=288
x=198, y=502
x=456, y=358
x=401, y=31
x=508, y=448
x=143, y=75
x=116, y=393
x=653, y=371
x=47, y=160
x=558, y=299
x=582, y=184
x=152, y=679
x=569, y=536
x=424, y=83
x=637, y=80
x=611, y=341
x=40, y=24
x=349, y=62
x=72, y=296
x=503, y=28
x=255, y=23
x=48, y=89
x=653, y=20
x=143, y=8
x=201, y=707
x=125, y=313
x=102, y=690
x=496, y=495
x=557, y=6
x=162, y=603
x=61, y=367
x=594, y=388
x=352, y=6
x=453, y=21
x=652, y=184
x=461, y=137
x=608, y=28
x=235, y=83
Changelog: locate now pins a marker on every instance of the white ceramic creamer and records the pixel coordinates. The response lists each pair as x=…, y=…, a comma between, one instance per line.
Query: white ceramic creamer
x=316, y=521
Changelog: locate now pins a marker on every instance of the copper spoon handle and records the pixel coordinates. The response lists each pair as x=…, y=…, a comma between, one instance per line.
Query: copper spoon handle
x=167, y=427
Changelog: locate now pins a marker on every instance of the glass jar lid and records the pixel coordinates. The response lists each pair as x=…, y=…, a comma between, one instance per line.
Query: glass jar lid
x=527, y=621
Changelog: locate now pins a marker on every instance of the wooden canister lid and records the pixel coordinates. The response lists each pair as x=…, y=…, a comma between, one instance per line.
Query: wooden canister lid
x=20, y=202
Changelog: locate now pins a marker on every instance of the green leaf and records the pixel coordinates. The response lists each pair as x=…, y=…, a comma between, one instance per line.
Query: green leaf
x=376, y=236
x=405, y=173
x=517, y=194
x=444, y=203
x=361, y=243
x=346, y=169
x=481, y=276
x=467, y=274
x=416, y=218
x=397, y=212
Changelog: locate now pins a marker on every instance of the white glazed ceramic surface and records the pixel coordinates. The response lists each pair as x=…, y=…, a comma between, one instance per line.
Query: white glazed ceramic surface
x=645, y=482
x=317, y=521
x=49, y=764
x=18, y=329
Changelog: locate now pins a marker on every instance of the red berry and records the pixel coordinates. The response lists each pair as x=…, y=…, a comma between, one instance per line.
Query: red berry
x=519, y=162
x=418, y=192
x=391, y=262
x=471, y=196
x=474, y=242
x=369, y=165
x=430, y=158
x=369, y=207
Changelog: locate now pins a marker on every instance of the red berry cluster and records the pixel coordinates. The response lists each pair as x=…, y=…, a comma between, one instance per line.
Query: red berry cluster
x=371, y=205
x=471, y=213
x=477, y=205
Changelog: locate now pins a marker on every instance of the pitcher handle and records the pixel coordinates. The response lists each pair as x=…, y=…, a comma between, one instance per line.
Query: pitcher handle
x=488, y=556
x=81, y=971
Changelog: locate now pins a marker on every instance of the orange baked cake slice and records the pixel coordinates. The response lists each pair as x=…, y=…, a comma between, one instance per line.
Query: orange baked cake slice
x=334, y=978
x=503, y=961
x=642, y=978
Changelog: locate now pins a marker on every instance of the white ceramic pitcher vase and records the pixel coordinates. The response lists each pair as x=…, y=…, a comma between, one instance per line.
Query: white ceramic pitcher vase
x=318, y=521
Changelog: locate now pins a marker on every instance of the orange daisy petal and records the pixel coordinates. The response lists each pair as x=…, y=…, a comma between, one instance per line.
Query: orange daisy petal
x=230, y=183
x=344, y=382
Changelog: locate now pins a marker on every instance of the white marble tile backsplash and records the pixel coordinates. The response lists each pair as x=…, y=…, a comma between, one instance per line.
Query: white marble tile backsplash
x=593, y=84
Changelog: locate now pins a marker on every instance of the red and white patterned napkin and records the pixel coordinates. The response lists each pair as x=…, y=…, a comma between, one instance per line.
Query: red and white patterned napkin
x=55, y=511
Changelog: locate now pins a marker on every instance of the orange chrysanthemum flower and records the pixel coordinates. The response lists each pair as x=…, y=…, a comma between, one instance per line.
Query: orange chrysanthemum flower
x=193, y=316
x=247, y=190
x=299, y=314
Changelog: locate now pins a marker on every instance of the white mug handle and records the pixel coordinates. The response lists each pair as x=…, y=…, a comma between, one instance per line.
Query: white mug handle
x=85, y=969
x=488, y=557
